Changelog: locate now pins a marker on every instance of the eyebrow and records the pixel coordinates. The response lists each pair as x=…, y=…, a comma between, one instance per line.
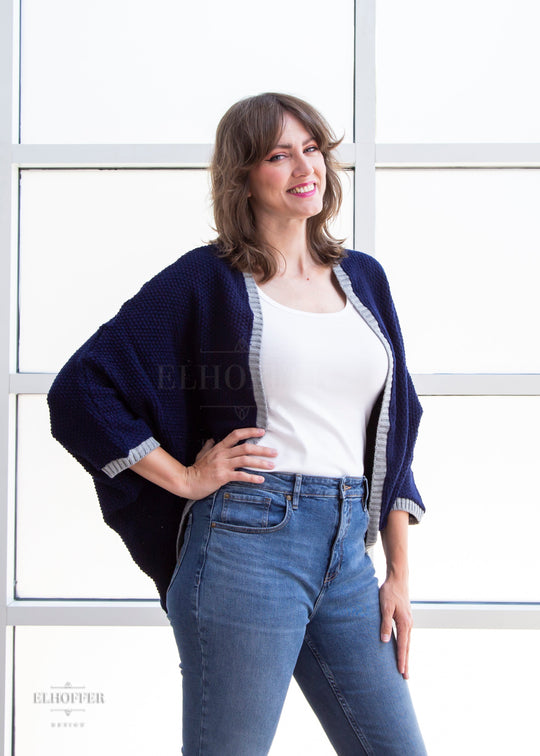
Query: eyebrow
x=289, y=146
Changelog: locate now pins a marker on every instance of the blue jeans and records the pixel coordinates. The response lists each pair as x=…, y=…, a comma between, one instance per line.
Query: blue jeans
x=272, y=581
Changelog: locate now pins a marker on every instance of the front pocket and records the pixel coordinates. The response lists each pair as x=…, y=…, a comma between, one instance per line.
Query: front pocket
x=250, y=512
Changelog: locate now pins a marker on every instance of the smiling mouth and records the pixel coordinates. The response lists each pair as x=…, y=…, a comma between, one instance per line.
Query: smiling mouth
x=303, y=189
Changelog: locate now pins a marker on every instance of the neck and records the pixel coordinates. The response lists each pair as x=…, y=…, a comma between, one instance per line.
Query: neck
x=291, y=241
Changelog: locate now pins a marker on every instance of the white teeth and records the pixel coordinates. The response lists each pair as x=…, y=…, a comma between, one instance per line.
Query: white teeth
x=302, y=189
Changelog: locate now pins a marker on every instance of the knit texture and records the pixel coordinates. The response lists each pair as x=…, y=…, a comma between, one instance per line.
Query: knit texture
x=173, y=368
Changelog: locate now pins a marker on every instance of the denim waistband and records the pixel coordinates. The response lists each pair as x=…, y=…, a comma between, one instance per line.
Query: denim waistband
x=309, y=485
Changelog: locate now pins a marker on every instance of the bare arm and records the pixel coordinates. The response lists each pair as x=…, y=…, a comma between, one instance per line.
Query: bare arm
x=394, y=592
x=214, y=466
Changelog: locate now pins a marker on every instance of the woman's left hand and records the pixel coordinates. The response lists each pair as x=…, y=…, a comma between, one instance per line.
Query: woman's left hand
x=395, y=605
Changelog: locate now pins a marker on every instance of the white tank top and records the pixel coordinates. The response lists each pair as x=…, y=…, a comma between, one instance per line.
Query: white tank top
x=321, y=374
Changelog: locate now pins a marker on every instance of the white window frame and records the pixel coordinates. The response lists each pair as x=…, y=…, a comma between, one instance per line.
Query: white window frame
x=365, y=156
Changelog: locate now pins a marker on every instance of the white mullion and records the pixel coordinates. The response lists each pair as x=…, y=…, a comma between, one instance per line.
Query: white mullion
x=88, y=613
x=471, y=384
x=476, y=616
x=364, y=127
x=426, y=384
x=31, y=383
x=111, y=155
x=488, y=616
x=458, y=155
x=8, y=204
x=127, y=155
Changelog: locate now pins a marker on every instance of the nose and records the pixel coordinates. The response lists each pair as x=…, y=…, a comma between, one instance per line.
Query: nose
x=302, y=166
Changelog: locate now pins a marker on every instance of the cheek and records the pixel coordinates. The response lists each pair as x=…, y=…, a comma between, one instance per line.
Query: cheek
x=261, y=182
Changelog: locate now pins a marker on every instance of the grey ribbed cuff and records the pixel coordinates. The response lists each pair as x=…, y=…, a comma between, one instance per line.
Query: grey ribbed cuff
x=135, y=455
x=408, y=505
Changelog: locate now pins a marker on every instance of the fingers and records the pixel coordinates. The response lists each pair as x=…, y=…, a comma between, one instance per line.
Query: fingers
x=386, y=624
x=241, y=434
x=403, y=646
x=217, y=464
x=403, y=642
x=245, y=477
x=395, y=609
x=246, y=454
x=252, y=456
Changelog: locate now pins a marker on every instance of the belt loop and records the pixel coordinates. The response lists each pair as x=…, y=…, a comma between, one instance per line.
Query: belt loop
x=296, y=491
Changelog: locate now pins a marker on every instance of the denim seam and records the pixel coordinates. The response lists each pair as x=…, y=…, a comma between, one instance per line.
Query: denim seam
x=200, y=627
x=345, y=514
x=327, y=672
x=180, y=553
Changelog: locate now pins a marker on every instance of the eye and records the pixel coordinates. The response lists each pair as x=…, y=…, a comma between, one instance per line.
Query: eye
x=276, y=158
x=312, y=148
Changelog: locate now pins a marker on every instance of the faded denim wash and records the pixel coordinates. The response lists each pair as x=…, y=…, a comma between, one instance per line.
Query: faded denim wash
x=273, y=580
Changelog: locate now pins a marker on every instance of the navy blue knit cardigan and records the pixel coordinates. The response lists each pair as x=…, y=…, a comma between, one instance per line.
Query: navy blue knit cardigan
x=178, y=364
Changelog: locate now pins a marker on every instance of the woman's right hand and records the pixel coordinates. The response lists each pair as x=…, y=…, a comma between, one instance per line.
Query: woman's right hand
x=216, y=464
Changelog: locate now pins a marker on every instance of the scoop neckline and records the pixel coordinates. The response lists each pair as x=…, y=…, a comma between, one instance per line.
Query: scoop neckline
x=280, y=306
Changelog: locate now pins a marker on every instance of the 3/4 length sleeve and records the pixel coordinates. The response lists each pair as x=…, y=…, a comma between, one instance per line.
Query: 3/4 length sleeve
x=91, y=417
x=406, y=412
x=106, y=406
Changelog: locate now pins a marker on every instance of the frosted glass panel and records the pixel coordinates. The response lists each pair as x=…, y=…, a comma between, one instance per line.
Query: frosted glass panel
x=89, y=240
x=472, y=687
x=476, y=465
x=64, y=548
x=89, y=691
x=109, y=691
x=476, y=691
x=462, y=252
x=166, y=71
x=458, y=72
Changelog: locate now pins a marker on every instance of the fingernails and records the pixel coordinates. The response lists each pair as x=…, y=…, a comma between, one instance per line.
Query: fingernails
x=385, y=637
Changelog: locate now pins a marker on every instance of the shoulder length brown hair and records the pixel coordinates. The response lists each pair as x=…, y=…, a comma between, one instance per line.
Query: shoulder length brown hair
x=245, y=135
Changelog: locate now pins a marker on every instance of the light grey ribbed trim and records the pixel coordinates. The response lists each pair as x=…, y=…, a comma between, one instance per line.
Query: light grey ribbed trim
x=408, y=505
x=255, y=354
x=381, y=437
x=135, y=455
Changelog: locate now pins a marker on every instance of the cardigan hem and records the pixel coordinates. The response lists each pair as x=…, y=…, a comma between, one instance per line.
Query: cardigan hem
x=381, y=438
x=408, y=505
x=255, y=348
x=135, y=455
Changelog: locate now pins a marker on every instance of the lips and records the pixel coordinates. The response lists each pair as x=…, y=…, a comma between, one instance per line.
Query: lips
x=303, y=189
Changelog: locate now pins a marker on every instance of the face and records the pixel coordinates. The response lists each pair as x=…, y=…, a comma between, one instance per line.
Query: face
x=289, y=183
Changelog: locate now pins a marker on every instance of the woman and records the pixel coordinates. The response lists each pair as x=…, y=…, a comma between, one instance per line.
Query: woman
x=245, y=398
